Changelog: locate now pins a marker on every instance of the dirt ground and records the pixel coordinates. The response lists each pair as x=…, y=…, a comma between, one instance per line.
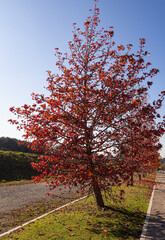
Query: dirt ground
x=23, y=202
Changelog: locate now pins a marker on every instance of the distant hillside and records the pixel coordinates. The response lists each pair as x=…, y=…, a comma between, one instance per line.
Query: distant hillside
x=12, y=144
x=16, y=165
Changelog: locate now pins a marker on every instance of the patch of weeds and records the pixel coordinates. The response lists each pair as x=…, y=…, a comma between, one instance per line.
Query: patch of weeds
x=18, y=182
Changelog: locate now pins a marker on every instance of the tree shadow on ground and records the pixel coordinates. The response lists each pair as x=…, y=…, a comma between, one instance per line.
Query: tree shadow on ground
x=119, y=222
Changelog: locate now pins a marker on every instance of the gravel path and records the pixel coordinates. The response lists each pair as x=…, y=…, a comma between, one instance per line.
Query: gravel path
x=17, y=196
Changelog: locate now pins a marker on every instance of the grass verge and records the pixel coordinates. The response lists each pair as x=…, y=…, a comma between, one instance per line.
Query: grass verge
x=123, y=220
x=14, y=218
x=16, y=182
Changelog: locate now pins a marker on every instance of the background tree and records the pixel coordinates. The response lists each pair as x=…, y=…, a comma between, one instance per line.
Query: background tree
x=81, y=119
x=162, y=164
x=140, y=140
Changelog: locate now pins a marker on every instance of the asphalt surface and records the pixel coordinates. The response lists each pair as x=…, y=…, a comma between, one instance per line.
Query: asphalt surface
x=156, y=225
x=18, y=196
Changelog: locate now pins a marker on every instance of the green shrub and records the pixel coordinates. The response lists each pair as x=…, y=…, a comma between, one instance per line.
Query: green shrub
x=16, y=165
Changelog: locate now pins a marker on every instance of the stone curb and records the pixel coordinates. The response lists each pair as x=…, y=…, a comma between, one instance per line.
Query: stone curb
x=144, y=231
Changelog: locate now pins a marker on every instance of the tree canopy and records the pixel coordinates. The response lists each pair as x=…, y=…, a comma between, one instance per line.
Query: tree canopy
x=96, y=126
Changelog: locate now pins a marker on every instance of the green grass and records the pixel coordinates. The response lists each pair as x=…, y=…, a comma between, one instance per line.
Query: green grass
x=16, y=182
x=123, y=220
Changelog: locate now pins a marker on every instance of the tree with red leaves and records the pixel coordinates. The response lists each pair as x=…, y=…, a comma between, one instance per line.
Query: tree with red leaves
x=140, y=145
x=82, y=123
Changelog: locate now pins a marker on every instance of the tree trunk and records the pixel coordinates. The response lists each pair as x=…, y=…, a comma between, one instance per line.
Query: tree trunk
x=132, y=180
x=140, y=177
x=132, y=162
x=144, y=174
x=95, y=185
x=98, y=195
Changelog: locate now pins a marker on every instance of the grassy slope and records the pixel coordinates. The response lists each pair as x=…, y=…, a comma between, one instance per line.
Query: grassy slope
x=83, y=220
x=16, y=165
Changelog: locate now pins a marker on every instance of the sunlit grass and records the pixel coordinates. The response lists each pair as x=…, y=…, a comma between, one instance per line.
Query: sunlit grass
x=16, y=182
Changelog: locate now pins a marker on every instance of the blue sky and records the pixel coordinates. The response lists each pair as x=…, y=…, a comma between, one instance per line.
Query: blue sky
x=31, y=29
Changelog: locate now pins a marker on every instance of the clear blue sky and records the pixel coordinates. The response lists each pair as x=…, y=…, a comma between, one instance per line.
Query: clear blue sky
x=31, y=29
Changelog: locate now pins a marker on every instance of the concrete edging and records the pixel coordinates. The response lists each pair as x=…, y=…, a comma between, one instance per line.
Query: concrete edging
x=44, y=215
x=144, y=231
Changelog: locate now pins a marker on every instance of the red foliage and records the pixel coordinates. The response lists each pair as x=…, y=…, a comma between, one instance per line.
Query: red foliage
x=96, y=127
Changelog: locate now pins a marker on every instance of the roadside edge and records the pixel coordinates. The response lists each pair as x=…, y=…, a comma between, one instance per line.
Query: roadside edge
x=44, y=215
x=144, y=230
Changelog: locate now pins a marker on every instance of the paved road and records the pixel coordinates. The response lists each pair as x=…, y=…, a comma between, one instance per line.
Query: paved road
x=156, y=227
x=17, y=196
